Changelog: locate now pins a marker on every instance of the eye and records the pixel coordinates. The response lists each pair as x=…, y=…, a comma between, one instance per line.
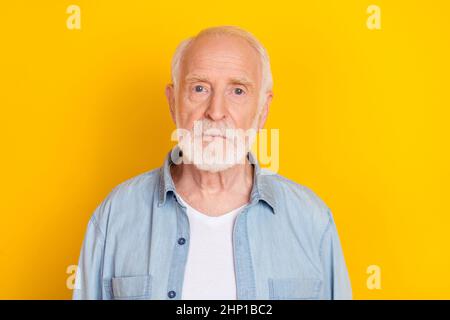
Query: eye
x=199, y=88
x=239, y=91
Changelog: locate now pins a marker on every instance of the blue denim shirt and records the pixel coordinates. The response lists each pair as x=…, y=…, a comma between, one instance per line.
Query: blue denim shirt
x=285, y=242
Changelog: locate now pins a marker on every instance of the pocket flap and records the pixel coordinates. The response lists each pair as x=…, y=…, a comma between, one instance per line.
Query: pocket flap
x=294, y=288
x=133, y=287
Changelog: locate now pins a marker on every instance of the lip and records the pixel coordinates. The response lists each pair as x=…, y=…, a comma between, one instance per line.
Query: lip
x=209, y=137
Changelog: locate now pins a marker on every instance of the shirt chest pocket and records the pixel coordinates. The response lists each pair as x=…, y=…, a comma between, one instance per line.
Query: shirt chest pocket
x=294, y=288
x=131, y=288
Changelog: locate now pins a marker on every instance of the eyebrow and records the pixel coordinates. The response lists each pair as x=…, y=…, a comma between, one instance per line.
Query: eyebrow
x=195, y=77
x=235, y=80
x=242, y=80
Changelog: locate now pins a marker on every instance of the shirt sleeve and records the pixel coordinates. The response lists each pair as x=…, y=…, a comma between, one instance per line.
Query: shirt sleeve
x=336, y=279
x=88, y=280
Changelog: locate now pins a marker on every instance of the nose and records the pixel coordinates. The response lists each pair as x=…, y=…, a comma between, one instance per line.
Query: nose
x=217, y=109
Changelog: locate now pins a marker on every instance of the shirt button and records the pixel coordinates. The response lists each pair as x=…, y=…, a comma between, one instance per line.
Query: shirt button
x=171, y=294
x=181, y=241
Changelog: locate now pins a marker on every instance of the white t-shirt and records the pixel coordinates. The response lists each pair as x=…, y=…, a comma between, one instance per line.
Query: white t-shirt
x=209, y=273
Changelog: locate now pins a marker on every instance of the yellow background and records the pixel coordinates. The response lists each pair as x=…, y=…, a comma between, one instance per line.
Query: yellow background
x=363, y=118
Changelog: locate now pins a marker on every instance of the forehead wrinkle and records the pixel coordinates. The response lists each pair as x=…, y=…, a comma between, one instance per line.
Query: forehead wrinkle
x=240, y=66
x=212, y=51
x=220, y=60
x=238, y=73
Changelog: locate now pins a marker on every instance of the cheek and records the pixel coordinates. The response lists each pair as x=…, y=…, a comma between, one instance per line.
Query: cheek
x=189, y=111
x=188, y=117
x=243, y=117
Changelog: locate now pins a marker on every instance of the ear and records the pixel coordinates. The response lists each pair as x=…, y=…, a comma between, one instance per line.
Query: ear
x=170, y=95
x=265, y=110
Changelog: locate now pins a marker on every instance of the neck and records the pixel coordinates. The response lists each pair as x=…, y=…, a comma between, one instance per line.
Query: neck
x=237, y=179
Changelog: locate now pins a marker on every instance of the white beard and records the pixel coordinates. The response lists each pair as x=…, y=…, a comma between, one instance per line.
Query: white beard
x=211, y=148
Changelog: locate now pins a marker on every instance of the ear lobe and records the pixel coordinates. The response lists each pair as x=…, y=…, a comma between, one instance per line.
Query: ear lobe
x=265, y=110
x=170, y=95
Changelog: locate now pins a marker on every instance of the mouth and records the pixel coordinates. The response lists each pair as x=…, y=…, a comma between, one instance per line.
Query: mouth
x=210, y=137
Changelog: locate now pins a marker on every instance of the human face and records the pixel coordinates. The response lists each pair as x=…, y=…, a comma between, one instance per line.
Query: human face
x=218, y=90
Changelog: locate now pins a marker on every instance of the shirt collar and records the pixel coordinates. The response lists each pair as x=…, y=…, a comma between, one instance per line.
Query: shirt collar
x=261, y=190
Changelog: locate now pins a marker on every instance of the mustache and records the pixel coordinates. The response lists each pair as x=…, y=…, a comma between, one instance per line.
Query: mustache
x=209, y=128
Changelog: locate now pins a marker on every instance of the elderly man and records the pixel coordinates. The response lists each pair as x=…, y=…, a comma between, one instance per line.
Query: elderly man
x=210, y=223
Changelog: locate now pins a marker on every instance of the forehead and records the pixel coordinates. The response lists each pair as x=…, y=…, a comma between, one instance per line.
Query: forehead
x=221, y=56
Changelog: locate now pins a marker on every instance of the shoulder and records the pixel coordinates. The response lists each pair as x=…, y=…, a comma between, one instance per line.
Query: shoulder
x=135, y=186
x=296, y=201
x=126, y=198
